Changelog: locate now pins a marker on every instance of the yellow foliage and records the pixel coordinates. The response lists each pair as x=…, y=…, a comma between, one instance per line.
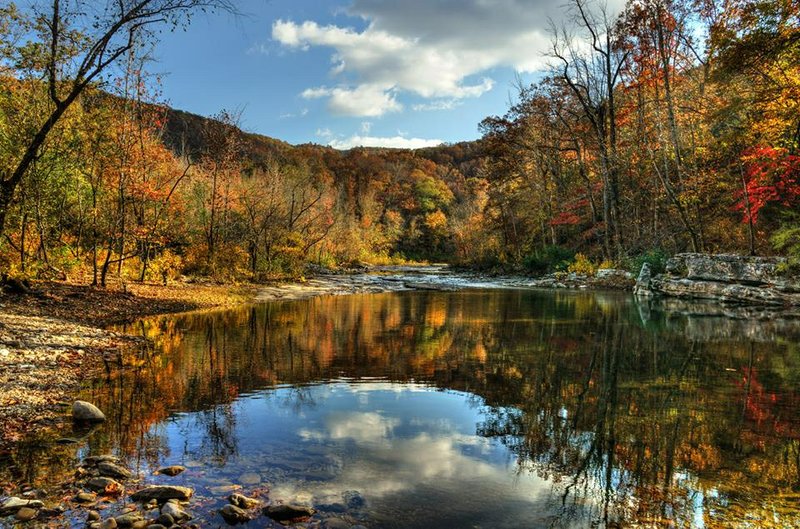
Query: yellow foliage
x=582, y=266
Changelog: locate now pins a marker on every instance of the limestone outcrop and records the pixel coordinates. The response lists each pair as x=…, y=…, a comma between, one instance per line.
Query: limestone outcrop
x=723, y=277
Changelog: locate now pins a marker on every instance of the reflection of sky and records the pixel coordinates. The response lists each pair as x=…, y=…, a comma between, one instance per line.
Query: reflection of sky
x=410, y=451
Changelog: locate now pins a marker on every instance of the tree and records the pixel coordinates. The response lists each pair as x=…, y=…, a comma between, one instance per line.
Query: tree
x=72, y=45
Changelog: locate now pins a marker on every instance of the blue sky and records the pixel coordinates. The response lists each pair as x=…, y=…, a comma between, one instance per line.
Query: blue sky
x=357, y=72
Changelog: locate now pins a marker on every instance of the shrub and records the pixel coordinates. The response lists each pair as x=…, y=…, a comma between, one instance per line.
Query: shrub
x=548, y=259
x=582, y=266
x=656, y=258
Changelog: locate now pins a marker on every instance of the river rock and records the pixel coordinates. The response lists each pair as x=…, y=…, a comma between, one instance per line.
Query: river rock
x=288, y=511
x=25, y=514
x=85, y=497
x=127, y=520
x=163, y=492
x=13, y=504
x=86, y=411
x=243, y=502
x=173, y=470
x=234, y=515
x=165, y=520
x=96, y=460
x=104, y=484
x=642, y=287
x=250, y=478
x=725, y=268
x=110, y=523
x=174, y=511
x=92, y=516
x=109, y=469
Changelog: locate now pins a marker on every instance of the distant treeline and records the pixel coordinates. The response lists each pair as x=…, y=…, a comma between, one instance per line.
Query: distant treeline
x=671, y=127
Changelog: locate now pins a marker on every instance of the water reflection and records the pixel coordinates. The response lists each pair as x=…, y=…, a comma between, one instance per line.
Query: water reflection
x=507, y=407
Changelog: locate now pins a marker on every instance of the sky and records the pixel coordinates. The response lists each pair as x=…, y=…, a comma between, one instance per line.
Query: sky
x=344, y=73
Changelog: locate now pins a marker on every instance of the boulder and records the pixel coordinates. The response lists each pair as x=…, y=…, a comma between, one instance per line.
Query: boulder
x=127, y=520
x=243, y=502
x=642, y=287
x=163, y=492
x=234, y=515
x=288, y=511
x=109, y=469
x=104, y=485
x=174, y=511
x=87, y=412
x=13, y=504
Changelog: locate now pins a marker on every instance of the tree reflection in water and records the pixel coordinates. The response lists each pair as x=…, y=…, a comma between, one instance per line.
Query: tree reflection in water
x=635, y=412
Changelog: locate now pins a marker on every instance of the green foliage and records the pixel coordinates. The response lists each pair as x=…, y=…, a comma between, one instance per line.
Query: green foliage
x=551, y=258
x=656, y=258
x=787, y=239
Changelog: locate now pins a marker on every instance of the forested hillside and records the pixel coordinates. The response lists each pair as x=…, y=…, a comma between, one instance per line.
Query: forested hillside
x=672, y=127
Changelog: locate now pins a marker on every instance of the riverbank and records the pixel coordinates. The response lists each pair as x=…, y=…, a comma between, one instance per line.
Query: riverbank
x=55, y=336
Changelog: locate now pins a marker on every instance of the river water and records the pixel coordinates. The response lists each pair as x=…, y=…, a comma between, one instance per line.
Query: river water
x=472, y=409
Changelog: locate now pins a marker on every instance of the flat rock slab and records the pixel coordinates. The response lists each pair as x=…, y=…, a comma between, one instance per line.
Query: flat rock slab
x=13, y=504
x=163, y=492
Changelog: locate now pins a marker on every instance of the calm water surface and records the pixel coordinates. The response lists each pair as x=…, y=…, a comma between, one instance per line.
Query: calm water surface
x=474, y=409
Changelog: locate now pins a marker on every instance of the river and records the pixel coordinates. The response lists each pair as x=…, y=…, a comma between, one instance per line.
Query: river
x=481, y=408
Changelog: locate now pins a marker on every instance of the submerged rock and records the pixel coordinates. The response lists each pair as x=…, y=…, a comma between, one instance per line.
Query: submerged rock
x=86, y=411
x=173, y=470
x=163, y=492
x=234, y=515
x=85, y=497
x=288, y=511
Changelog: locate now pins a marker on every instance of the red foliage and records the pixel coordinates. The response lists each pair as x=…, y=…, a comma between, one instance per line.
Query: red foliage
x=565, y=218
x=772, y=176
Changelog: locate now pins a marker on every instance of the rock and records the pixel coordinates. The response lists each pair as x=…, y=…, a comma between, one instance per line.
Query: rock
x=96, y=460
x=251, y=478
x=25, y=514
x=354, y=499
x=331, y=507
x=127, y=520
x=85, y=411
x=94, y=525
x=336, y=523
x=13, y=504
x=85, y=497
x=109, y=469
x=105, y=485
x=727, y=268
x=110, y=523
x=642, y=287
x=163, y=492
x=157, y=526
x=173, y=470
x=141, y=524
x=92, y=516
x=174, y=511
x=288, y=512
x=233, y=514
x=243, y=502
x=165, y=520
x=727, y=278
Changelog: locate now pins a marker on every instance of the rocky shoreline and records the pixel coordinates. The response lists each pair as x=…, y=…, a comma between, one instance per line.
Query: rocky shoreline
x=104, y=494
x=724, y=278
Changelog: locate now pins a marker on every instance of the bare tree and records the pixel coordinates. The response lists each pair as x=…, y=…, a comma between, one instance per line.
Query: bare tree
x=589, y=63
x=77, y=42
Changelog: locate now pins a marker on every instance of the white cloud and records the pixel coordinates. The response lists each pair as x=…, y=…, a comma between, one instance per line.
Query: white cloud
x=395, y=142
x=365, y=100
